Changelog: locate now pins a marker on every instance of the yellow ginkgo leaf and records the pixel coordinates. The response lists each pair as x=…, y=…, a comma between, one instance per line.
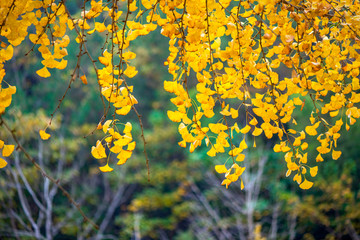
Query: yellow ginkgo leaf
x=106, y=126
x=131, y=146
x=234, y=113
x=106, y=168
x=257, y=131
x=124, y=110
x=220, y=169
x=253, y=121
x=336, y=154
x=310, y=130
x=3, y=163
x=240, y=157
x=226, y=182
x=243, y=144
x=313, y=171
x=123, y=156
x=7, y=150
x=245, y=129
x=128, y=127
x=130, y=71
x=44, y=135
x=211, y=152
x=306, y=184
x=240, y=170
x=192, y=148
x=297, y=178
x=62, y=64
x=319, y=158
x=174, y=116
x=98, y=152
x=43, y=72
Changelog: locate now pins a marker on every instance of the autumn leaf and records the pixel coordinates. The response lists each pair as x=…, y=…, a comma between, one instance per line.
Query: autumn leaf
x=98, y=152
x=7, y=150
x=106, y=126
x=44, y=135
x=43, y=72
x=220, y=169
x=313, y=171
x=130, y=71
x=106, y=168
x=83, y=79
x=3, y=163
x=306, y=184
x=336, y=154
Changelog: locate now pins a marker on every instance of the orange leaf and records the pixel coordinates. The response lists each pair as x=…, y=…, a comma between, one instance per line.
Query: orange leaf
x=83, y=79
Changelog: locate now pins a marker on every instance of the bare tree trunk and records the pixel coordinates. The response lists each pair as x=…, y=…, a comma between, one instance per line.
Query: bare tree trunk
x=292, y=227
x=137, y=218
x=274, y=222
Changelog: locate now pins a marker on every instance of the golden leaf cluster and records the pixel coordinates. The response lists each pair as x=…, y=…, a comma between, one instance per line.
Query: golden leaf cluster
x=234, y=53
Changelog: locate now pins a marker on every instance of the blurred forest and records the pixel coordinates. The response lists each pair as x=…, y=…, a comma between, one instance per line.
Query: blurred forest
x=184, y=199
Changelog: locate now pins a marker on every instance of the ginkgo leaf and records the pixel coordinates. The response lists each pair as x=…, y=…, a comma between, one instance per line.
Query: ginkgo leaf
x=336, y=154
x=192, y=148
x=128, y=128
x=310, y=130
x=174, y=116
x=106, y=168
x=62, y=64
x=123, y=157
x=212, y=152
x=3, y=163
x=297, y=178
x=240, y=157
x=243, y=144
x=313, y=171
x=43, y=72
x=306, y=184
x=124, y=110
x=245, y=129
x=240, y=171
x=253, y=121
x=44, y=135
x=130, y=71
x=98, y=152
x=7, y=150
x=83, y=79
x=234, y=113
x=220, y=169
x=319, y=158
x=226, y=182
x=257, y=131
x=106, y=126
x=131, y=146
